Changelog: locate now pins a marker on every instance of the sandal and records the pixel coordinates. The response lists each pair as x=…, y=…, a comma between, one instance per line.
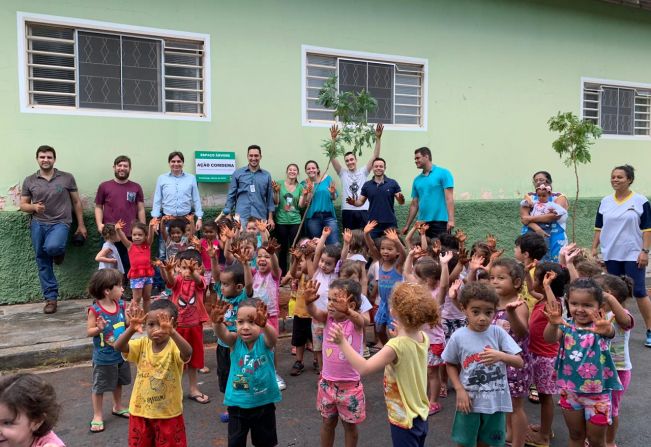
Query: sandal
x=123, y=413
x=435, y=408
x=444, y=391
x=200, y=398
x=204, y=370
x=96, y=427
x=534, y=398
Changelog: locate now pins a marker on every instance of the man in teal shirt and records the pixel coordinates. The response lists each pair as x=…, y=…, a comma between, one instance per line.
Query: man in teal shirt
x=432, y=196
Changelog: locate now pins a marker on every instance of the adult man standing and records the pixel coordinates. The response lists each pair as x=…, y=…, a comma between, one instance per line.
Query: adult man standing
x=381, y=191
x=352, y=179
x=120, y=199
x=50, y=196
x=250, y=193
x=432, y=196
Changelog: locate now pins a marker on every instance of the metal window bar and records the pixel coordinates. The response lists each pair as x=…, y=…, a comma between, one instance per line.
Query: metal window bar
x=183, y=82
x=310, y=88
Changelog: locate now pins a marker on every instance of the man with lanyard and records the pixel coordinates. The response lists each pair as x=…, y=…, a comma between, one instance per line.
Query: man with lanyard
x=354, y=217
x=250, y=193
x=432, y=196
x=50, y=196
x=176, y=195
x=380, y=192
x=120, y=199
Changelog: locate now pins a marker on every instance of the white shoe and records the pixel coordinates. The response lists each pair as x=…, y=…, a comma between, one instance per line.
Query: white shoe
x=281, y=383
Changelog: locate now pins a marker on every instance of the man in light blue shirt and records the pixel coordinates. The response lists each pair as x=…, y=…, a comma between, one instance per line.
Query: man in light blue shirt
x=250, y=193
x=177, y=193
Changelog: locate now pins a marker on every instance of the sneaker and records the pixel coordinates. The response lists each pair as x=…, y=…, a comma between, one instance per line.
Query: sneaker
x=50, y=307
x=435, y=408
x=224, y=417
x=648, y=338
x=367, y=352
x=281, y=383
x=297, y=369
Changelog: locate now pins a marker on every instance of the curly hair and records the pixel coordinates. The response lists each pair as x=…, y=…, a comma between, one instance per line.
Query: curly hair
x=33, y=396
x=590, y=286
x=414, y=306
x=621, y=287
x=588, y=267
x=350, y=268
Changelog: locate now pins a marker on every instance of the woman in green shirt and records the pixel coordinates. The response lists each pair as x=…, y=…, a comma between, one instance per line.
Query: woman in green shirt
x=288, y=197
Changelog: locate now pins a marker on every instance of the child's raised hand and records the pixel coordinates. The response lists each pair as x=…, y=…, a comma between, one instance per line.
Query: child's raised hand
x=532, y=265
x=602, y=326
x=195, y=242
x=510, y=307
x=453, y=292
x=261, y=225
x=275, y=186
x=261, y=314
x=491, y=241
x=554, y=313
x=212, y=251
x=570, y=255
x=490, y=356
x=326, y=231
x=170, y=264
x=463, y=256
x=370, y=226
x=446, y=258
x=348, y=236
x=219, y=310
x=392, y=234
x=464, y=403
x=154, y=222
x=100, y=322
x=422, y=228
x=158, y=263
x=336, y=334
x=311, y=291
x=136, y=315
x=166, y=323
x=340, y=303
x=119, y=225
x=416, y=252
x=461, y=237
x=296, y=252
x=550, y=276
x=272, y=246
x=436, y=247
x=476, y=262
x=496, y=254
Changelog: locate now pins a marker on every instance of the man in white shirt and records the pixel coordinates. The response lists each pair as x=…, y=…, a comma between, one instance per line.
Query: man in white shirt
x=352, y=179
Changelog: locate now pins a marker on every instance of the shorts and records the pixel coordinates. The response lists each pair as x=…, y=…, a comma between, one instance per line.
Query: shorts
x=145, y=432
x=194, y=336
x=260, y=421
x=301, y=331
x=410, y=437
x=451, y=325
x=382, y=316
x=223, y=366
x=487, y=428
x=543, y=373
x=596, y=407
x=140, y=283
x=616, y=396
x=519, y=378
x=343, y=399
x=317, y=336
x=630, y=268
x=108, y=377
x=436, y=228
x=273, y=321
x=434, y=355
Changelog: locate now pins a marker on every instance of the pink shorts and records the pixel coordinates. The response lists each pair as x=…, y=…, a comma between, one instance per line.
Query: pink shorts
x=194, y=336
x=625, y=378
x=596, y=407
x=544, y=373
x=434, y=355
x=343, y=399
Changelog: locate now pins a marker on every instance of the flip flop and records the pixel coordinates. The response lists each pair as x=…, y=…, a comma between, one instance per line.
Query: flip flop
x=124, y=413
x=534, y=398
x=200, y=398
x=99, y=425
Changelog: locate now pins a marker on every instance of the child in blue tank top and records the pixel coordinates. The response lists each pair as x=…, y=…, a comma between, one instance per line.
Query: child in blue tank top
x=252, y=390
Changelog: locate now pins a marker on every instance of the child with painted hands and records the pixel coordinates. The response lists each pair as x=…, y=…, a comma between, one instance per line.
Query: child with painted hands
x=141, y=273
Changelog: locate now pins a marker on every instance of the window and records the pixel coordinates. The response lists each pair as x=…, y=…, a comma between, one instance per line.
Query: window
x=397, y=83
x=78, y=66
x=622, y=109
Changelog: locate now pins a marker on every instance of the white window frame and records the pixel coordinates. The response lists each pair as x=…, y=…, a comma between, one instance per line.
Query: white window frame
x=22, y=18
x=366, y=57
x=614, y=83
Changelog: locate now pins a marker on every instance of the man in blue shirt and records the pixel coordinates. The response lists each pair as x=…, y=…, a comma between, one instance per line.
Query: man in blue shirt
x=380, y=192
x=250, y=193
x=432, y=196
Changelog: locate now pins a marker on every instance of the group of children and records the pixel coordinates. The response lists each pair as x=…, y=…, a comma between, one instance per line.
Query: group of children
x=494, y=328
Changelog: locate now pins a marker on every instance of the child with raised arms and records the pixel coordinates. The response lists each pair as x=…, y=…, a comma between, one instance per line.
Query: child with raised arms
x=476, y=358
x=109, y=257
x=141, y=273
x=340, y=393
x=404, y=359
x=156, y=406
x=586, y=373
x=252, y=390
x=28, y=412
x=106, y=321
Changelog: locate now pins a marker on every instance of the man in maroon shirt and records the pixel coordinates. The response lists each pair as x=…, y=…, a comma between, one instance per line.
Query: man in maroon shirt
x=120, y=199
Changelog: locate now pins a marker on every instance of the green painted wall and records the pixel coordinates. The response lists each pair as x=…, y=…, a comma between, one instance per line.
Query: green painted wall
x=18, y=273
x=498, y=69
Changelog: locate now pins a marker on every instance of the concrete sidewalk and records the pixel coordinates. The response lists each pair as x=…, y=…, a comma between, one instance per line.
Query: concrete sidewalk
x=29, y=338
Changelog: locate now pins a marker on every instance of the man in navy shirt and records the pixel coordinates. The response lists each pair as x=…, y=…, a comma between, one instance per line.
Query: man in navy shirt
x=380, y=192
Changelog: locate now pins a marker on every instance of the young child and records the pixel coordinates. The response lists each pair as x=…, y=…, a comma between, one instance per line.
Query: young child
x=141, y=272
x=529, y=249
x=156, y=406
x=251, y=391
x=173, y=235
x=233, y=285
x=476, y=358
x=340, y=393
x=322, y=270
x=108, y=256
x=584, y=367
x=404, y=359
x=549, y=281
x=209, y=247
x=28, y=412
x=188, y=288
x=392, y=258
x=106, y=321
x=512, y=315
x=541, y=206
x=616, y=290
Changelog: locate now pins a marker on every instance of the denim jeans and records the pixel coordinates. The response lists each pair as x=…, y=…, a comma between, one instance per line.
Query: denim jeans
x=318, y=221
x=49, y=240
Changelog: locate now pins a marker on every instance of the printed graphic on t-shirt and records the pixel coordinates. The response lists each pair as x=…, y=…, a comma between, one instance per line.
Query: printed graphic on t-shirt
x=483, y=379
x=111, y=333
x=245, y=378
x=289, y=202
x=131, y=196
x=354, y=189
